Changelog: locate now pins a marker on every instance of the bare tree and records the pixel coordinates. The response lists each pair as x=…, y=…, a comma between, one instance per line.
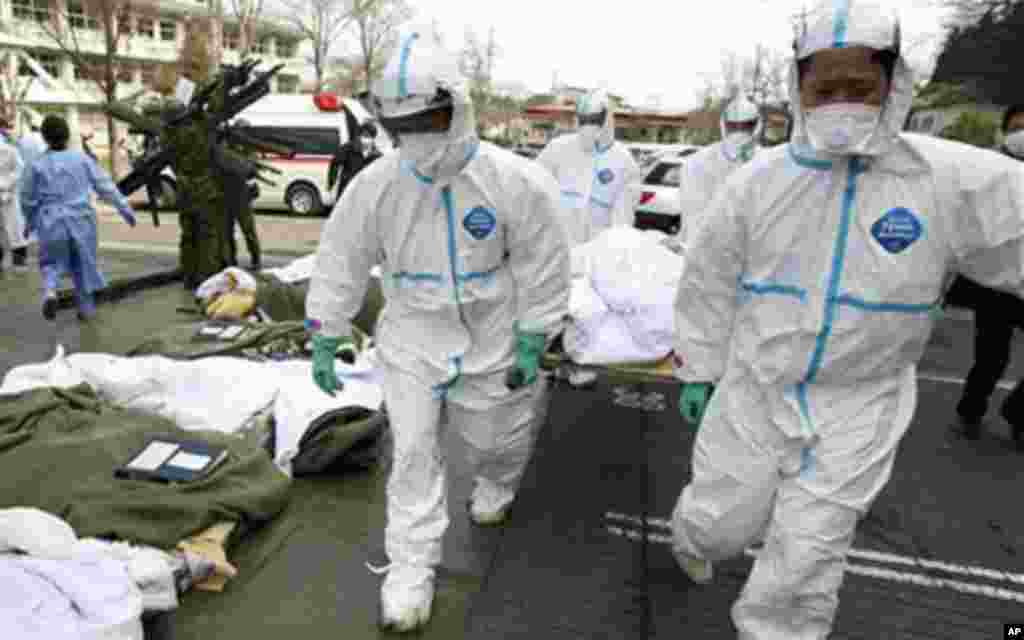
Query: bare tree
x=246, y=14
x=322, y=22
x=764, y=76
x=13, y=88
x=477, y=61
x=376, y=24
x=75, y=29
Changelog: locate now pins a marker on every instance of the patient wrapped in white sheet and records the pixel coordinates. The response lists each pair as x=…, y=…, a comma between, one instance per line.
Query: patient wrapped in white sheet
x=623, y=292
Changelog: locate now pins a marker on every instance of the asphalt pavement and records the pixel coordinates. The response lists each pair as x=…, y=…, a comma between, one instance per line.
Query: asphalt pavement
x=943, y=548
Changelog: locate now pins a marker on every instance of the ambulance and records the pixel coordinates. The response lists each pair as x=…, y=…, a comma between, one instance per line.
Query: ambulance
x=314, y=127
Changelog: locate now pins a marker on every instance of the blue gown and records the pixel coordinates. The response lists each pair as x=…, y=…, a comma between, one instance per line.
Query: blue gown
x=55, y=199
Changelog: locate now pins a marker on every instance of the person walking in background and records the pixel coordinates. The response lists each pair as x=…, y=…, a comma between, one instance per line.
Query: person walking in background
x=56, y=201
x=996, y=315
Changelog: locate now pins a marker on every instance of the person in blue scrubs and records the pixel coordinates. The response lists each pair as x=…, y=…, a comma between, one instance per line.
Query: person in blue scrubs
x=56, y=201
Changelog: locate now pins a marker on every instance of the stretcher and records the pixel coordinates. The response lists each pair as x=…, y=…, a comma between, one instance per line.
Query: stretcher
x=559, y=363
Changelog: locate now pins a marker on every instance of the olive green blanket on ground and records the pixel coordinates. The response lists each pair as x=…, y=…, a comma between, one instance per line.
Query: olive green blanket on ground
x=59, y=449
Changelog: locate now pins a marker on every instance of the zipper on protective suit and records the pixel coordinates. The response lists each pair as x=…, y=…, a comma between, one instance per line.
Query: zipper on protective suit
x=855, y=167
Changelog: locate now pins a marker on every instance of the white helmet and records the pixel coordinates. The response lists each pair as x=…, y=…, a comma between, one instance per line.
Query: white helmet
x=739, y=146
x=595, y=120
x=839, y=24
x=419, y=82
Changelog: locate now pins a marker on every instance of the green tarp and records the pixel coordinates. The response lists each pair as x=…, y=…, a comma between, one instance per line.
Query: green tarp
x=59, y=449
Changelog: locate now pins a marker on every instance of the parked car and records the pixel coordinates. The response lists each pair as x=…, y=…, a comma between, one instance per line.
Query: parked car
x=658, y=205
x=645, y=154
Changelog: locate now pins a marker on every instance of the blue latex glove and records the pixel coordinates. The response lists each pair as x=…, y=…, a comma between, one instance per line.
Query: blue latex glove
x=129, y=217
x=693, y=400
x=529, y=349
x=325, y=349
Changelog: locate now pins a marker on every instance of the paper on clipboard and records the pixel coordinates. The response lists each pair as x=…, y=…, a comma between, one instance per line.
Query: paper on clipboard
x=190, y=461
x=153, y=456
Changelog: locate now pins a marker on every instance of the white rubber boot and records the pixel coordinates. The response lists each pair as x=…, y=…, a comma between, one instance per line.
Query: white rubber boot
x=489, y=504
x=406, y=598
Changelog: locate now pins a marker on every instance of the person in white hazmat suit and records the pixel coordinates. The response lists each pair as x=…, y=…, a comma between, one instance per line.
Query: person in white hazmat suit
x=704, y=172
x=475, y=274
x=13, y=233
x=808, y=297
x=593, y=172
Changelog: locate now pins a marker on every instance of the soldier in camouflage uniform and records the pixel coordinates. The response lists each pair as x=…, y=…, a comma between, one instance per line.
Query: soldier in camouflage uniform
x=240, y=194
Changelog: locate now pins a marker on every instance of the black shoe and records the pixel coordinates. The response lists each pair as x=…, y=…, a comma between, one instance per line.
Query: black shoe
x=50, y=308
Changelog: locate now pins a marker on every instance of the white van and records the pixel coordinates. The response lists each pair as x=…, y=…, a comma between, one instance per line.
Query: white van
x=314, y=126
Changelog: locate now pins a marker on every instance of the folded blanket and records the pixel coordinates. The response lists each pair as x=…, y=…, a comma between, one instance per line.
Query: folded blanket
x=59, y=448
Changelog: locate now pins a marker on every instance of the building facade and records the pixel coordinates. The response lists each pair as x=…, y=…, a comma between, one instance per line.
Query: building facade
x=36, y=71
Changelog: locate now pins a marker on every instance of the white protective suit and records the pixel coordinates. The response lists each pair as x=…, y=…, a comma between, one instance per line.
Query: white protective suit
x=593, y=172
x=704, y=172
x=11, y=168
x=808, y=296
x=467, y=238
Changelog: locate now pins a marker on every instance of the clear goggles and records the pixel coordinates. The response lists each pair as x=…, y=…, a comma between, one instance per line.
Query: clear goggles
x=592, y=119
x=413, y=114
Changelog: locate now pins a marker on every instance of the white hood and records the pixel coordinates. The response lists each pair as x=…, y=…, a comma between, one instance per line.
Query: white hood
x=595, y=102
x=845, y=23
x=420, y=67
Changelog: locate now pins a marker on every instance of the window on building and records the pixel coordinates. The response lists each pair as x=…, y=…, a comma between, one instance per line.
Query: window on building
x=144, y=27
x=287, y=84
x=124, y=24
x=50, y=62
x=125, y=72
x=231, y=40
x=286, y=48
x=168, y=30
x=148, y=73
x=79, y=19
x=87, y=70
x=32, y=10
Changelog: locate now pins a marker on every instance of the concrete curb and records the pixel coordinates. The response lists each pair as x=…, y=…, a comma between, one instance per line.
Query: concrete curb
x=120, y=287
x=173, y=249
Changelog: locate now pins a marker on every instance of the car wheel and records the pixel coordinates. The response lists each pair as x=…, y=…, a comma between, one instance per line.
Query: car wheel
x=303, y=199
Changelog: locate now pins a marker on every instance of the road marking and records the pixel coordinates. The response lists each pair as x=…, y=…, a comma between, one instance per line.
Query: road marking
x=1006, y=385
x=881, y=573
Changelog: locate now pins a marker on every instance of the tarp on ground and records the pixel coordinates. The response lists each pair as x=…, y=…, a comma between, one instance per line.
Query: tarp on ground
x=59, y=449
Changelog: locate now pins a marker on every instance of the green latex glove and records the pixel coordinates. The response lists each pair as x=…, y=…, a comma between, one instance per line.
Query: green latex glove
x=529, y=349
x=325, y=349
x=693, y=400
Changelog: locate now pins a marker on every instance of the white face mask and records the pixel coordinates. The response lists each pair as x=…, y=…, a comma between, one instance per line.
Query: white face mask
x=739, y=145
x=842, y=129
x=589, y=135
x=436, y=155
x=1015, y=143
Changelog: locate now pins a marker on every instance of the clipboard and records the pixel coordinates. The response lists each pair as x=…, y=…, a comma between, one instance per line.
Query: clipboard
x=168, y=459
x=218, y=332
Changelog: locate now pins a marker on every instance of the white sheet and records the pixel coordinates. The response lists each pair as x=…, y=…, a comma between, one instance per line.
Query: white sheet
x=218, y=393
x=624, y=286
x=55, y=586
